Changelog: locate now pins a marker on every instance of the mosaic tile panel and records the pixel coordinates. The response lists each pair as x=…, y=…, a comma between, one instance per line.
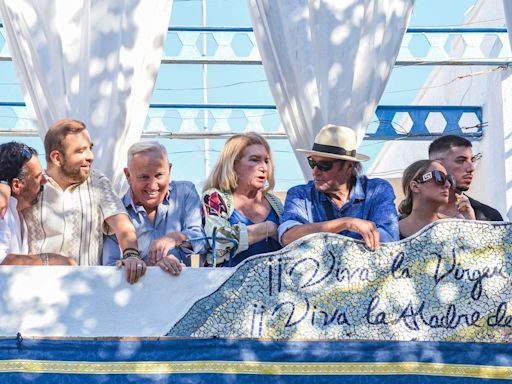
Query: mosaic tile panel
x=451, y=282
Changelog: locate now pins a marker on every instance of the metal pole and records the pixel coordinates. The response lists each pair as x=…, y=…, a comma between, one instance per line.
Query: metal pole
x=205, y=95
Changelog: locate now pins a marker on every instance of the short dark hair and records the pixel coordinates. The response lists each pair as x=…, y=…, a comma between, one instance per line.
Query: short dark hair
x=445, y=143
x=54, y=139
x=13, y=157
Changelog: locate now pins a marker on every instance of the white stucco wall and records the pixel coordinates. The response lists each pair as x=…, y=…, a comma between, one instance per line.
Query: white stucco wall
x=97, y=301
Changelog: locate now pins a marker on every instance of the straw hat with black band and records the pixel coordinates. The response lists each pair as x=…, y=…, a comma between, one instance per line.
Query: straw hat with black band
x=336, y=142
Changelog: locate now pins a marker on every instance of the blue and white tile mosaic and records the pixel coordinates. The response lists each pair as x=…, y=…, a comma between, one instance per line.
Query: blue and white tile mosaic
x=450, y=282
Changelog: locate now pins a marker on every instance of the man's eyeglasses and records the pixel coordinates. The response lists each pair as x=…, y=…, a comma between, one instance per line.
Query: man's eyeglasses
x=438, y=177
x=323, y=165
x=475, y=159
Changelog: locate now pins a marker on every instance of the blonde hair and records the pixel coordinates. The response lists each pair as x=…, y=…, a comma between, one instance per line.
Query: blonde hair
x=223, y=175
x=411, y=173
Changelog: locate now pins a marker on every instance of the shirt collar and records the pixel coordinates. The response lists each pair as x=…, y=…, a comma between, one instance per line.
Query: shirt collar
x=358, y=192
x=56, y=185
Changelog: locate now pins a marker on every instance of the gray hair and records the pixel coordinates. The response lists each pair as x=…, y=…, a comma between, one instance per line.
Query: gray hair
x=144, y=147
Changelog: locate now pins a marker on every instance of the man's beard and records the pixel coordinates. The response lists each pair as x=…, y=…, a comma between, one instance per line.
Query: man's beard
x=26, y=196
x=36, y=198
x=73, y=174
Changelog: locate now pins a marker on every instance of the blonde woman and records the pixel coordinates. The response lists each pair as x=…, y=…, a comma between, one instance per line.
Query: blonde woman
x=426, y=186
x=238, y=201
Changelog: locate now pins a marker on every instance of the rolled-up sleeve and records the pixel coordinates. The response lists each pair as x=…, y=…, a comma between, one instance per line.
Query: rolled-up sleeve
x=296, y=210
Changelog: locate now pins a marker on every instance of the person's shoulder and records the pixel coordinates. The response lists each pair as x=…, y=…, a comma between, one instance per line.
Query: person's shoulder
x=215, y=200
x=376, y=188
x=97, y=177
x=182, y=184
x=182, y=188
x=95, y=174
x=10, y=211
x=485, y=212
x=476, y=203
x=274, y=201
x=271, y=195
x=375, y=182
x=212, y=191
x=301, y=189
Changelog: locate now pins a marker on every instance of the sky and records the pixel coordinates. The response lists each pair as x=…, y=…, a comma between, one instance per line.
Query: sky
x=182, y=84
x=426, y=13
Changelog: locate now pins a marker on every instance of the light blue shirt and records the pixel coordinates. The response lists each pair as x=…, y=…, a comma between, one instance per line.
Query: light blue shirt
x=370, y=199
x=180, y=211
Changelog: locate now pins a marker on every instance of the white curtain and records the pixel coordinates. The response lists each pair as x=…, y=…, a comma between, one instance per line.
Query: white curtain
x=327, y=61
x=91, y=60
x=507, y=5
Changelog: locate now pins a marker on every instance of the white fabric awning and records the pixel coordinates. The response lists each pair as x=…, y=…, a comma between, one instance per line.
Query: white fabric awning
x=90, y=60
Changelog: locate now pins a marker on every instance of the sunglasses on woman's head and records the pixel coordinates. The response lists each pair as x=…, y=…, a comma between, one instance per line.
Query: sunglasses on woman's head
x=323, y=165
x=438, y=177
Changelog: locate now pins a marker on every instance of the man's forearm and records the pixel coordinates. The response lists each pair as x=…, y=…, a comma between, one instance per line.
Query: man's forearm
x=332, y=226
x=124, y=230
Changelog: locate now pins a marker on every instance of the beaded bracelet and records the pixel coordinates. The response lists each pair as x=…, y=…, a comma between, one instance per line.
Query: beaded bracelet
x=132, y=256
x=44, y=259
x=131, y=250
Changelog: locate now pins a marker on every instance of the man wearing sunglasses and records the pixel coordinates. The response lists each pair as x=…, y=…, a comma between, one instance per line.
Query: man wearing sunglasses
x=339, y=199
x=21, y=170
x=456, y=155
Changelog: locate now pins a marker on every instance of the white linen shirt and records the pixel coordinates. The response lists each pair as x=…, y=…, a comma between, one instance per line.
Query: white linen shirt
x=13, y=239
x=72, y=222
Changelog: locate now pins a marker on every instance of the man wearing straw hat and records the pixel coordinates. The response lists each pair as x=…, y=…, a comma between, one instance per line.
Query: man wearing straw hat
x=339, y=199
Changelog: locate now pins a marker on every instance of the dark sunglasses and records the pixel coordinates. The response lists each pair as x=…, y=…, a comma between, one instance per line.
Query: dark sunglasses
x=25, y=152
x=323, y=165
x=438, y=177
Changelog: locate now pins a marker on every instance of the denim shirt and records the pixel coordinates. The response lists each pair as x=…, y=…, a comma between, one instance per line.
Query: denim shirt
x=180, y=211
x=370, y=199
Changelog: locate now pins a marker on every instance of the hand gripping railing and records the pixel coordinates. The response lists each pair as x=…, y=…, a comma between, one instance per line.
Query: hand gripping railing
x=214, y=239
